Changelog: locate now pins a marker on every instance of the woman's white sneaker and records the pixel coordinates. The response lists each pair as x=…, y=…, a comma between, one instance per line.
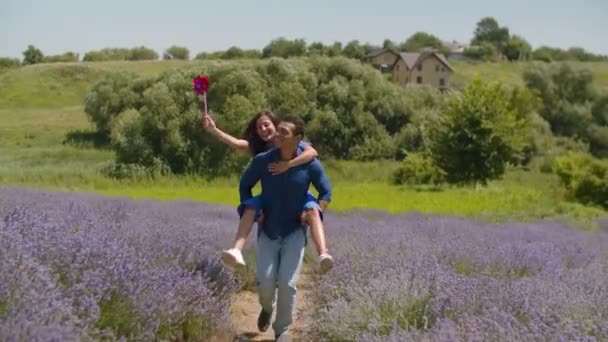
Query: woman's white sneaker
x=233, y=258
x=326, y=262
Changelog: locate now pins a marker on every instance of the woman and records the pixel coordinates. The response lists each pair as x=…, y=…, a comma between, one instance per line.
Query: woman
x=259, y=136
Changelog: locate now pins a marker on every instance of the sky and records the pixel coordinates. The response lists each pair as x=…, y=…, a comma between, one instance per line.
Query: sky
x=58, y=26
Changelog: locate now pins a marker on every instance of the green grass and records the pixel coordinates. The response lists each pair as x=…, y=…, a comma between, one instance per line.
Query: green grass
x=190, y=329
x=500, y=201
x=511, y=73
x=3, y=308
x=117, y=315
x=58, y=85
x=41, y=127
x=47, y=85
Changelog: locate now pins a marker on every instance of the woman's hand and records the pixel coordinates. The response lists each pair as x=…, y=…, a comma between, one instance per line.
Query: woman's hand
x=278, y=167
x=208, y=122
x=260, y=218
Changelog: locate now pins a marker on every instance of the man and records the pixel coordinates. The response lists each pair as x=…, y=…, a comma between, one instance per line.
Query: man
x=282, y=237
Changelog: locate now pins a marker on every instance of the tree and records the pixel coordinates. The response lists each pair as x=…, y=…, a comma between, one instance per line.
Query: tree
x=567, y=96
x=580, y=54
x=177, y=52
x=353, y=50
x=107, y=54
x=542, y=53
x=316, y=48
x=421, y=40
x=121, y=54
x=571, y=104
x=142, y=53
x=549, y=54
x=252, y=53
x=233, y=52
x=335, y=50
x=7, y=62
x=282, y=47
x=517, y=49
x=32, y=55
x=66, y=57
x=485, y=52
x=488, y=30
x=389, y=44
x=367, y=48
x=479, y=133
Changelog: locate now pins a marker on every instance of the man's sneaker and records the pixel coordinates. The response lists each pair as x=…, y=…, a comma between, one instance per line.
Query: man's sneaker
x=326, y=262
x=233, y=258
x=264, y=320
x=284, y=337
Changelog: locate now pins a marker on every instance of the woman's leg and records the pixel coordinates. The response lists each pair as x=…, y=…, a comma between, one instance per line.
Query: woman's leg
x=317, y=231
x=245, y=227
x=233, y=257
x=312, y=217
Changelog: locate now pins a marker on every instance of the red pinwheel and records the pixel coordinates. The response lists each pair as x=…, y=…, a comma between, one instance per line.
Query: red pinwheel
x=200, y=85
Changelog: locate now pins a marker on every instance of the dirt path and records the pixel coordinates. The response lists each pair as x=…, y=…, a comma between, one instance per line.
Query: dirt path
x=245, y=309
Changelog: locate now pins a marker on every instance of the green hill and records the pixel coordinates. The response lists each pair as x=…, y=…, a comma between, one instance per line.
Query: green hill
x=66, y=84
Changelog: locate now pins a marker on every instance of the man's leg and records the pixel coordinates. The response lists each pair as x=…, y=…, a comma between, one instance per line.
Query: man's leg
x=267, y=254
x=291, y=256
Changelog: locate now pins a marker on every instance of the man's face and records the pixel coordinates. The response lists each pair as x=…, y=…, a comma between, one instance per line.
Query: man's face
x=285, y=136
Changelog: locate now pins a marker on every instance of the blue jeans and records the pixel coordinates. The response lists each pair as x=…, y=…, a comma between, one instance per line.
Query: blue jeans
x=278, y=266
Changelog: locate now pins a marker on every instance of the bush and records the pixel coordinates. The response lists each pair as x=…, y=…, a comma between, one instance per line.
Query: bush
x=285, y=48
x=6, y=62
x=142, y=53
x=107, y=54
x=111, y=96
x=485, y=52
x=120, y=54
x=177, y=52
x=584, y=177
x=418, y=169
x=416, y=135
x=350, y=110
x=480, y=132
x=63, y=58
x=571, y=104
x=556, y=147
x=32, y=55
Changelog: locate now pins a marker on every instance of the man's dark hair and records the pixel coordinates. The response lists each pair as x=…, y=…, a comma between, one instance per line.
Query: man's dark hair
x=297, y=122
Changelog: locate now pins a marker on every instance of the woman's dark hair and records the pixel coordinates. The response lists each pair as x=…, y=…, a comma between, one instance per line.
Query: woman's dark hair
x=256, y=144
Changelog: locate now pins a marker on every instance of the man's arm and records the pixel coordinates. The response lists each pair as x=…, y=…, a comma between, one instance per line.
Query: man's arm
x=250, y=177
x=320, y=181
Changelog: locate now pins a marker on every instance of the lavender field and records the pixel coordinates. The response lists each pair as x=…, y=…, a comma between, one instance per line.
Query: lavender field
x=86, y=267
x=421, y=278
x=79, y=267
